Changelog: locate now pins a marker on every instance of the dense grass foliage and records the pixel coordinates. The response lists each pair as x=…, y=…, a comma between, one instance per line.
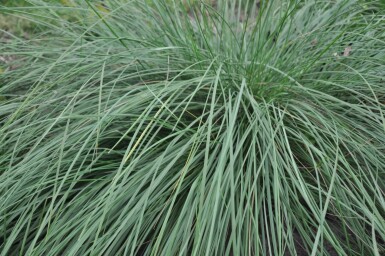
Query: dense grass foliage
x=238, y=128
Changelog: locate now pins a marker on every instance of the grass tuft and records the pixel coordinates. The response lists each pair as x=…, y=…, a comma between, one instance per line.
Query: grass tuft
x=194, y=128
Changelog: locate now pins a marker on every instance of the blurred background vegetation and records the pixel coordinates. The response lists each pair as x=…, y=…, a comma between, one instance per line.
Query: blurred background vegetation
x=11, y=23
x=14, y=24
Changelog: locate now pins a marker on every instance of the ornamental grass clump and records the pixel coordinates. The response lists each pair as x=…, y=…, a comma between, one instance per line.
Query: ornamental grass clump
x=204, y=128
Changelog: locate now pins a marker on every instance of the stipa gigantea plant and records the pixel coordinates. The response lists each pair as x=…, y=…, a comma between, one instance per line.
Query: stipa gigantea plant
x=230, y=129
